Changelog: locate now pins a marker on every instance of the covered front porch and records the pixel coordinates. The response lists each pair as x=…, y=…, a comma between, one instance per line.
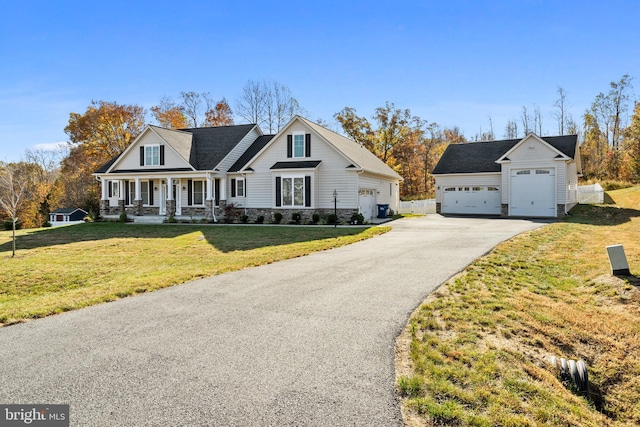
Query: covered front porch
x=194, y=196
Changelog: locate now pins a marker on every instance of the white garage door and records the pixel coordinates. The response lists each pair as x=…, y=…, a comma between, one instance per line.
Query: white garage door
x=533, y=192
x=367, y=203
x=484, y=200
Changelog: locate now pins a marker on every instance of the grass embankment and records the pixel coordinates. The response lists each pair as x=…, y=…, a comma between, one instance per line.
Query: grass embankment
x=66, y=268
x=476, y=352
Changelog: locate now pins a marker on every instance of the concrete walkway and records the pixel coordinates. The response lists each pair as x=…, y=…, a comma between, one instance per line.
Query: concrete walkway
x=303, y=342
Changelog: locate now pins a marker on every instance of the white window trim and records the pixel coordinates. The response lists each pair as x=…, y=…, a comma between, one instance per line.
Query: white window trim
x=293, y=146
x=146, y=156
x=149, y=190
x=240, y=184
x=193, y=191
x=292, y=178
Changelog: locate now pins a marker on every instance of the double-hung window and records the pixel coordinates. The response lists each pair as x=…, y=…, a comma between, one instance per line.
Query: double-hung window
x=152, y=155
x=298, y=145
x=198, y=192
x=144, y=192
x=240, y=188
x=293, y=191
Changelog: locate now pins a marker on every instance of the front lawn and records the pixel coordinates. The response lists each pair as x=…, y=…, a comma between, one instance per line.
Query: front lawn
x=62, y=269
x=476, y=352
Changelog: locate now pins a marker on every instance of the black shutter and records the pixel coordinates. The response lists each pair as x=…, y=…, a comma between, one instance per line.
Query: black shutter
x=110, y=188
x=307, y=191
x=307, y=145
x=278, y=191
x=141, y=156
x=162, y=155
x=289, y=146
x=126, y=192
x=150, y=192
x=216, y=190
x=233, y=187
x=189, y=192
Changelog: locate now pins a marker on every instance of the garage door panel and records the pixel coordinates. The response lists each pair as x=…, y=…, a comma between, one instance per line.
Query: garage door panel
x=533, y=193
x=484, y=200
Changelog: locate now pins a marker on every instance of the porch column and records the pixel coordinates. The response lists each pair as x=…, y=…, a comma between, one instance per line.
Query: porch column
x=138, y=189
x=121, y=195
x=104, y=202
x=209, y=187
x=105, y=188
x=169, y=188
x=137, y=203
x=223, y=188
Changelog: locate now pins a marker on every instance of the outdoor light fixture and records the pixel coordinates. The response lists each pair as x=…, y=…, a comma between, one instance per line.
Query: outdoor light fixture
x=335, y=208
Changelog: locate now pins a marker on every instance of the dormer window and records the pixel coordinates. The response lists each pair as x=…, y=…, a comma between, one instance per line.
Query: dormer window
x=152, y=155
x=298, y=145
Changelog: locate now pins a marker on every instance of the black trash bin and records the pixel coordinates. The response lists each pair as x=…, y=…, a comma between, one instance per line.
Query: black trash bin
x=382, y=210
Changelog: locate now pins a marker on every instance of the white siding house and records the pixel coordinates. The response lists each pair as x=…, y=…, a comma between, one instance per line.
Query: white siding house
x=529, y=177
x=210, y=173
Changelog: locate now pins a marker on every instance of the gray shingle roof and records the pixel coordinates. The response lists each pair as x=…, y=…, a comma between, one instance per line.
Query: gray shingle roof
x=253, y=149
x=211, y=145
x=359, y=155
x=300, y=164
x=480, y=157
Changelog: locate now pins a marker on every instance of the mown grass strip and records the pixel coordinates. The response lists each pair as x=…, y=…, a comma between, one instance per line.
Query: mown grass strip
x=476, y=352
x=66, y=268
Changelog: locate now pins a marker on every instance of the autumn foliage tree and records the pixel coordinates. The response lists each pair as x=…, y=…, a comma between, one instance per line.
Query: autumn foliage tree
x=169, y=115
x=408, y=144
x=219, y=115
x=104, y=131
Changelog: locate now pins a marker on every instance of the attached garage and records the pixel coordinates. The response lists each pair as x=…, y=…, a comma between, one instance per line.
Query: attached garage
x=367, y=203
x=479, y=199
x=529, y=177
x=533, y=192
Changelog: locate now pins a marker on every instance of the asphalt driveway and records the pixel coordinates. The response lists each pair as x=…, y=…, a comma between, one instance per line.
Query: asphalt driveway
x=304, y=342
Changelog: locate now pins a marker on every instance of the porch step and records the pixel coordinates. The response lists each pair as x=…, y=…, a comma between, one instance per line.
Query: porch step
x=148, y=219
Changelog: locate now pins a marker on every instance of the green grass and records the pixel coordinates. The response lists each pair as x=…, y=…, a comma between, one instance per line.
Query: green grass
x=62, y=269
x=475, y=353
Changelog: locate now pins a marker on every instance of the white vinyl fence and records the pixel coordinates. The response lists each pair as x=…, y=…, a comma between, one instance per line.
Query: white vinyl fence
x=418, y=206
x=590, y=194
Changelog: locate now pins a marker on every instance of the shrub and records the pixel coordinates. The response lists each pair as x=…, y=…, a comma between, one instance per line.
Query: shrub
x=171, y=219
x=123, y=217
x=296, y=217
x=332, y=219
x=260, y=219
x=315, y=218
x=357, y=219
x=8, y=225
x=244, y=219
x=46, y=224
x=277, y=217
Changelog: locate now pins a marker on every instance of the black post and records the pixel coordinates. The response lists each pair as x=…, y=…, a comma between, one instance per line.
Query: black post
x=335, y=209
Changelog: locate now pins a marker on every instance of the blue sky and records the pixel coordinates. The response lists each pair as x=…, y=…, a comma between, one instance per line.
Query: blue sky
x=453, y=62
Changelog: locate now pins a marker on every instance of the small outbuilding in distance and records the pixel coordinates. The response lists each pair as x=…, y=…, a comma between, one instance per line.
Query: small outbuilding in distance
x=67, y=216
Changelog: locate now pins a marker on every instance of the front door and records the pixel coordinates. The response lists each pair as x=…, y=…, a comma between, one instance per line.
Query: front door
x=163, y=200
x=176, y=196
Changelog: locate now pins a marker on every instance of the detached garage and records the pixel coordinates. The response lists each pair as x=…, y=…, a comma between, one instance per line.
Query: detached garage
x=529, y=177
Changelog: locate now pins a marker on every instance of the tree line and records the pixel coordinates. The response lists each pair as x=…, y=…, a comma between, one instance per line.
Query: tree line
x=45, y=180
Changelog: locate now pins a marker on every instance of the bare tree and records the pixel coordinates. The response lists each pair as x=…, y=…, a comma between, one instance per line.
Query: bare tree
x=511, y=130
x=251, y=105
x=561, y=115
x=267, y=103
x=195, y=105
x=14, y=184
x=537, y=120
x=526, y=121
